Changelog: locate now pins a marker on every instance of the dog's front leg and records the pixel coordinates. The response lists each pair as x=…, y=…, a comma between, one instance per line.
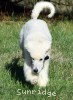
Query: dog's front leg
x=43, y=75
x=28, y=74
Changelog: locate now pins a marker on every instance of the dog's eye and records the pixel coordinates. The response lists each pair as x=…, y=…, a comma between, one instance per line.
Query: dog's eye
x=32, y=58
x=41, y=59
x=46, y=58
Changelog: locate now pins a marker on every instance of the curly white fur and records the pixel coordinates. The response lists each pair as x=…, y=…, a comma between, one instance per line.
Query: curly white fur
x=35, y=42
x=40, y=6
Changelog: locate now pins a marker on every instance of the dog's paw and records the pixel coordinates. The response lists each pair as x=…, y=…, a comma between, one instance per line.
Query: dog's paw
x=34, y=80
x=42, y=83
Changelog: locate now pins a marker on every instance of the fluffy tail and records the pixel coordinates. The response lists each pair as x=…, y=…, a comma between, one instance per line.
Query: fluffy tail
x=40, y=6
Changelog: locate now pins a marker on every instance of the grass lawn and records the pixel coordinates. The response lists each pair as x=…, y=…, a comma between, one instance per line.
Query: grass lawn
x=12, y=83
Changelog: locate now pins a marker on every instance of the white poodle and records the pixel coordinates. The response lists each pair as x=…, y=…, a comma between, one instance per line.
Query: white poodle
x=35, y=42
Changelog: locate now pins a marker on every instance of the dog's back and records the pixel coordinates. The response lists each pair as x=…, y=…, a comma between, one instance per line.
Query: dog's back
x=36, y=27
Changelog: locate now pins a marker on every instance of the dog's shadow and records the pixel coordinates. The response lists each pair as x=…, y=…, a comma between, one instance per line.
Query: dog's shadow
x=16, y=72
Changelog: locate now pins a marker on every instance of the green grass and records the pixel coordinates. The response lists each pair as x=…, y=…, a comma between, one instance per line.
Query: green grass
x=61, y=66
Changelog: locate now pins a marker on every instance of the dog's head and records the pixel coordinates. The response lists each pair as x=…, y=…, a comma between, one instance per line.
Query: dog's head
x=39, y=54
x=38, y=63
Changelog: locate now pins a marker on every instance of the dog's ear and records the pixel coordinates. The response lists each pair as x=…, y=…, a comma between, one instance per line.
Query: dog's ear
x=47, y=46
x=28, y=46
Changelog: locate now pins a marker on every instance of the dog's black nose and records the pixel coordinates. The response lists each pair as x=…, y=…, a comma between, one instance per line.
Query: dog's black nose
x=35, y=70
